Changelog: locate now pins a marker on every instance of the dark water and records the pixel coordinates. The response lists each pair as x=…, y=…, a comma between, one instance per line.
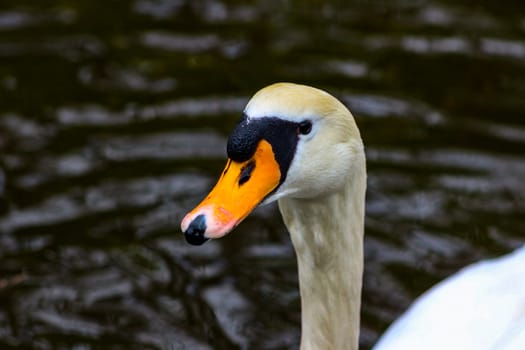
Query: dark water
x=113, y=121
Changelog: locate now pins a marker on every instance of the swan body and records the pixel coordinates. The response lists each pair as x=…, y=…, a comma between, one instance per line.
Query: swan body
x=480, y=307
x=300, y=146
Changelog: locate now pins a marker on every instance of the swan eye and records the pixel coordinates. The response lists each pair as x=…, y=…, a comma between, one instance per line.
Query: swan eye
x=305, y=127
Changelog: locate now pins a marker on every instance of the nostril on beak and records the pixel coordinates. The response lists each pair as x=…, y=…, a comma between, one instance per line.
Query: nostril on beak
x=195, y=232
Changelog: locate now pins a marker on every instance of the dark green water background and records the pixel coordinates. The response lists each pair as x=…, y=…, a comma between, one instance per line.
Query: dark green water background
x=113, y=122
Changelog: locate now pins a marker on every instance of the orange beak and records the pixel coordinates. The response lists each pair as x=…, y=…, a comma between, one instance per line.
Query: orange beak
x=241, y=187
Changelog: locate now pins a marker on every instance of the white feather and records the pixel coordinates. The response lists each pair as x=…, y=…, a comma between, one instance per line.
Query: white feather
x=480, y=307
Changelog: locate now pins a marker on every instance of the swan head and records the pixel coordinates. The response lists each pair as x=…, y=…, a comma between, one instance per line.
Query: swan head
x=293, y=141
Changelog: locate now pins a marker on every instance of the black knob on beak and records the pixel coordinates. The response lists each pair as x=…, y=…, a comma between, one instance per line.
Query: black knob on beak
x=195, y=232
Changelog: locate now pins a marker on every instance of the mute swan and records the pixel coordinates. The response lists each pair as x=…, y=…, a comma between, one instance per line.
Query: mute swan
x=301, y=146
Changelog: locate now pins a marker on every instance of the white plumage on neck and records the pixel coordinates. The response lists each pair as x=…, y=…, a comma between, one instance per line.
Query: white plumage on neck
x=330, y=263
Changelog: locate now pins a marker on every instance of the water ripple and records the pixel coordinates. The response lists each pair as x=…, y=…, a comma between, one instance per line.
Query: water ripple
x=90, y=115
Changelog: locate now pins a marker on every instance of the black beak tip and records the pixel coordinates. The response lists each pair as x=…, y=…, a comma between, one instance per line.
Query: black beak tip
x=195, y=233
x=195, y=239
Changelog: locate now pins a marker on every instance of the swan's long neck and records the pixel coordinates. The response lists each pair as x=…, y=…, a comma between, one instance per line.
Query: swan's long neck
x=327, y=234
